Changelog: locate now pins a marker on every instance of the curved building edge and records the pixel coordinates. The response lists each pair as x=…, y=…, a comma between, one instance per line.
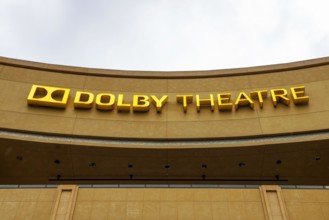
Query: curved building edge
x=191, y=143
x=165, y=74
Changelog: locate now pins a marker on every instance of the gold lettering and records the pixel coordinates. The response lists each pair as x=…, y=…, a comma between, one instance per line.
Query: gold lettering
x=105, y=101
x=260, y=95
x=224, y=103
x=122, y=106
x=205, y=102
x=141, y=103
x=48, y=96
x=58, y=98
x=298, y=95
x=243, y=100
x=279, y=95
x=159, y=103
x=83, y=100
x=184, y=99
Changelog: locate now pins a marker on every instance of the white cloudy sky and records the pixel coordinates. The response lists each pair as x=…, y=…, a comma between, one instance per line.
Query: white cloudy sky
x=164, y=34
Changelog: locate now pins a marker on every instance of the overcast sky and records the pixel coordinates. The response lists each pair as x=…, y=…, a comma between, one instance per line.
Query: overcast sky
x=164, y=34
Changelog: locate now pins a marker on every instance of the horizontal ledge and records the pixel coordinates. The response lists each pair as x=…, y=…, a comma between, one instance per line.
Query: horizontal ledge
x=162, y=143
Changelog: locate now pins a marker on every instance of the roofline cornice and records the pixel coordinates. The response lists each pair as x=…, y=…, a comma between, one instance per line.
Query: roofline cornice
x=304, y=64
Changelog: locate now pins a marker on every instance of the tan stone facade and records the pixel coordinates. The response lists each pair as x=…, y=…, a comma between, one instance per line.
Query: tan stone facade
x=146, y=203
x=266, y=146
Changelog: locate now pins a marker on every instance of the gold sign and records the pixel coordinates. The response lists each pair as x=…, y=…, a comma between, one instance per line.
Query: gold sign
x=48, y=96
x=58, y=98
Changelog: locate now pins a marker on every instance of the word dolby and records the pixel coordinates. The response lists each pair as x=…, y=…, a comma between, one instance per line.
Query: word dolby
x=59, y=97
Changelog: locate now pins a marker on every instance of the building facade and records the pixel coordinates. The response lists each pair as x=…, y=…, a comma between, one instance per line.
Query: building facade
x=81, y=143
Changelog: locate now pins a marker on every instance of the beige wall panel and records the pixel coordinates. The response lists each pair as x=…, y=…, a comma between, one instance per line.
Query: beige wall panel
x=295, y=123
x=4, y=90
x=306, y=195
x=15, y=100
x=47, y=195
x=8, y=210
x=285, y=78
x=306, y=204
x=152, y=195
x=120, y=128
x=313, y=211
x=235, y=195
x=99, y=211
x=251, y=195
x=34, y=204
x=168, y=195
x=85, y=194
x=207, y=129
x=187, y=210
x=39, y=123
x=111, y=84
x=117, y=210
x=119, y=195
x=42, y=210
x=296, y=211
x=254, y=211
x=168, y=210
x=135, y=194
x=200, y=195
x=185, y=195
x=219, y=195
x=237, y=210
x=203, y=210
x=165, y=203
x=220, y=84
x=134, y=210
x=82, y=210
x=325, y=209
x=151, y=210
x=321, y=196
x=291, y=195
x=26, y=210
x=45, y=78
x=145, y=203
x=220, y=210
